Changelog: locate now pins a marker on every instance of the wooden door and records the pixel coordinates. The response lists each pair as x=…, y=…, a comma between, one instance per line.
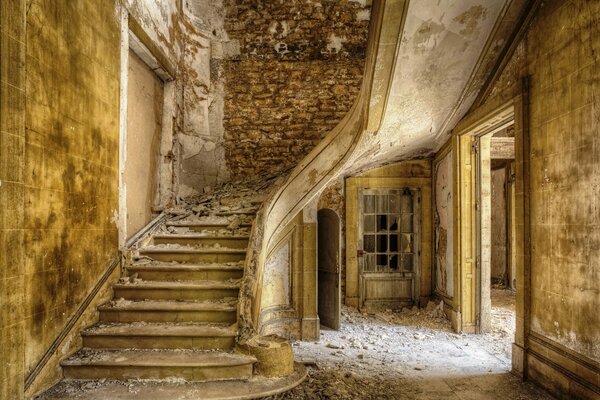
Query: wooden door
x=388, y=248
x=329, y=268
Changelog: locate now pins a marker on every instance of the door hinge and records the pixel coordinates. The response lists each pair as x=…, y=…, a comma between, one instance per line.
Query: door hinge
x=475, y=147
x=360, y=253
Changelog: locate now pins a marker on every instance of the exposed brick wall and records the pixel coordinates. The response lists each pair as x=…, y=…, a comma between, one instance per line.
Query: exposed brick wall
x=297, y=75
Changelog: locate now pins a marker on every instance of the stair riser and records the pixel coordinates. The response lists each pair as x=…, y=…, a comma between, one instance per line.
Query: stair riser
x=213, y=275
x=211, y=228
x=208, y=373
x=195, y=257
x=168, y=316
x=223, y=242
x=169, y=294
x=155, y=342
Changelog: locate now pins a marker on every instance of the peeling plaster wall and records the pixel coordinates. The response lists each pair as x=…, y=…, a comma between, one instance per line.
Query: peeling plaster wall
x=277, y=282
x=445, y=56
x=59, y=146
x=189, y=34
x=291, y=72
x=444, y=231
x=561, y=53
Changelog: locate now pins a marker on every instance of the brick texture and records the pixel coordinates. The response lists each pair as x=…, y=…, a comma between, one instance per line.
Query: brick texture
x=298, y=73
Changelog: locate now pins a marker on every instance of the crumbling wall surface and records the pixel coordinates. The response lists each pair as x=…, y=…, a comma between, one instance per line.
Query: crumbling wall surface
x=297, y=74
x=444, y=231
x=59, y=146
x=561, y=53
x=189, y=34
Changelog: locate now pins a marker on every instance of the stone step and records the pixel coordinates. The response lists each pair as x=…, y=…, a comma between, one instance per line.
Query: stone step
x=235, y=212
x=200, y=227
x=157, y=364
x=168, y=311
x=232, y=241
x=191, y=290
x=106, y=389
x=194, y=255
x=181, y=272
x=159, y=336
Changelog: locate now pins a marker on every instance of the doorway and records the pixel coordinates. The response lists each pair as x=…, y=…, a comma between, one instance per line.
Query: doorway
x=388, y=248
x=328, y=268
x=494, y=152
x=147, y=108
x=144, y=126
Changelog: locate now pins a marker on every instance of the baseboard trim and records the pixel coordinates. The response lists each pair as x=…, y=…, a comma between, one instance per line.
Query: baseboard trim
x=115, y=261
x=551, y=354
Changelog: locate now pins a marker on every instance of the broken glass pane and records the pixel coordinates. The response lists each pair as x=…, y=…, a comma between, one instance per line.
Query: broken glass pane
x=381, y=223
x=382, y=260
x=394, y=243
x=393, y=223
x=381, y=243
x=394, y=262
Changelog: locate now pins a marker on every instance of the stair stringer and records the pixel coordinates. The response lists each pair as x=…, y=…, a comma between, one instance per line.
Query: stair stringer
x=328, y=160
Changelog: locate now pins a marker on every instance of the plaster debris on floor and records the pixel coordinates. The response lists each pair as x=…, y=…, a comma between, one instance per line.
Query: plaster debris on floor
x=412, y=354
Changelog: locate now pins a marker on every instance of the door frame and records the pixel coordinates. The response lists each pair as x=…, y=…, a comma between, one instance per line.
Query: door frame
x=134, y=38
x=416, y=280
x=479, y=122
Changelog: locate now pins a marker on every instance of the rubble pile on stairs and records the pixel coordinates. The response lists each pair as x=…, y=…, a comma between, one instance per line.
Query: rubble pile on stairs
x=174, y=315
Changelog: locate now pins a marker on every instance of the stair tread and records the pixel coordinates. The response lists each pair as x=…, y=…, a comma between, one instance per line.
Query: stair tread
x=186, y=267
x=156, y=358
x=200, y=223
x=196, y=235
x=205, y=284
x=160, y=329
x=169, y=305
x=192, y=249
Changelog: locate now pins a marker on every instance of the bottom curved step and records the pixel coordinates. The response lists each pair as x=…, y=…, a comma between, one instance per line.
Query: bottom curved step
x=188, y=365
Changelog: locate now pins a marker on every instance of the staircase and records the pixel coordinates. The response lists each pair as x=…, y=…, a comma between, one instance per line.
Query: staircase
x=174, y=312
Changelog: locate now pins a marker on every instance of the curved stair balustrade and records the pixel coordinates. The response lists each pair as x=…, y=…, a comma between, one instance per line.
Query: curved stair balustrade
x=329, y=158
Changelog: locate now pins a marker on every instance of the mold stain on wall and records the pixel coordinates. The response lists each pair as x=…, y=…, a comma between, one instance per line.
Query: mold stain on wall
x=60, y=191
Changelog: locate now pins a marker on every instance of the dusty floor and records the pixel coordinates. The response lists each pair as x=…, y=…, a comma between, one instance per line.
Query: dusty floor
x=413, y=355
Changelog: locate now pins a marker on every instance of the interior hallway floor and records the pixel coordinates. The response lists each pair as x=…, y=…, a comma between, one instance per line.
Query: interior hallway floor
x=413, y=354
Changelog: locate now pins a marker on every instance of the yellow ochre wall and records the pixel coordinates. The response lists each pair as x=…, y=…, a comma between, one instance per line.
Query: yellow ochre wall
x=561, y=54
x=59, y=149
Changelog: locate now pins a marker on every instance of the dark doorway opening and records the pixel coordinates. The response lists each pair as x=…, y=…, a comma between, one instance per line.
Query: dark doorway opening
x=328, y=268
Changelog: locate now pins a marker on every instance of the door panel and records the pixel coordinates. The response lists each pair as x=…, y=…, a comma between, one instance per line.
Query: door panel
x=328, y=268
x=388, y=248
